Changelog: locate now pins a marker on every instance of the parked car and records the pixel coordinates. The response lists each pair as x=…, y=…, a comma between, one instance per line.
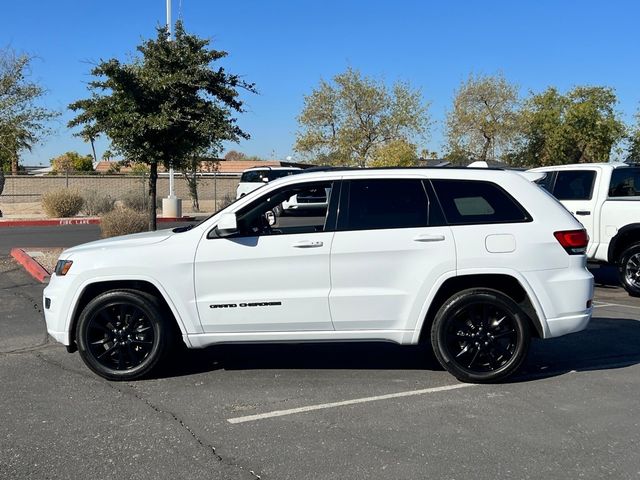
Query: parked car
x=474, y=261
x=254, y=178
x=605, y=198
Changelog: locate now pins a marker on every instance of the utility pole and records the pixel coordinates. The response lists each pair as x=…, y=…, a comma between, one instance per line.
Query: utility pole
x=171, y=206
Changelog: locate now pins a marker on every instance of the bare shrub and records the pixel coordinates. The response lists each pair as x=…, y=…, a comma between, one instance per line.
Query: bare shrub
x=62, y=203
x=135, y=201
x=96, y=203
x=226, y=200
x=122, y=221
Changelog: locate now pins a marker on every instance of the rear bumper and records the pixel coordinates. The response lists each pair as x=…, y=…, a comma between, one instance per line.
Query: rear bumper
x=569, y=324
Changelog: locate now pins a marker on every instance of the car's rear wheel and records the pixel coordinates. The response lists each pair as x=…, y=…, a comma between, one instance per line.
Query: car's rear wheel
x=122, y=334
x=480, y=335
x=629, y=269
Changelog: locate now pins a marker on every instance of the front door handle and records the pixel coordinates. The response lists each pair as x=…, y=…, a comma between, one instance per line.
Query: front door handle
x=426, y=237
x=307, y=244
x=583, y=212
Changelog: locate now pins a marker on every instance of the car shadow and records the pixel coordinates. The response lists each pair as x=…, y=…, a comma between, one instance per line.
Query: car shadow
x=607, y=343
x=605, y=275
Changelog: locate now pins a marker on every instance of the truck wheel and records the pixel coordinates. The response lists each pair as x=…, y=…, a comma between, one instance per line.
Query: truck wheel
x=480, y=335
x=629, y=269
x=122, y=335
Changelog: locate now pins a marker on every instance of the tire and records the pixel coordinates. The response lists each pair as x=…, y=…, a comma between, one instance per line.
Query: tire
x=480, y=336
x=629, y=269
x=123, y=334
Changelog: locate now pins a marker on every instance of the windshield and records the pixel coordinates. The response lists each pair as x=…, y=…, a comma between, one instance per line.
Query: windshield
x=193, y=225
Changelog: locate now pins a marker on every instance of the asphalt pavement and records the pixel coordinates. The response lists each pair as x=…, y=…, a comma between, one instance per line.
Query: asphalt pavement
x=321, y=411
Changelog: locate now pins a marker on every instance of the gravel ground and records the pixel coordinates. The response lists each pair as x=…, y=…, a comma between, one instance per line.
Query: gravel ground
x=47, y=257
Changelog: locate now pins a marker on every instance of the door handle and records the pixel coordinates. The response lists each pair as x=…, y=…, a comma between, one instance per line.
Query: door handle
x=307, y=244
x=428, y=238
x=583, y=212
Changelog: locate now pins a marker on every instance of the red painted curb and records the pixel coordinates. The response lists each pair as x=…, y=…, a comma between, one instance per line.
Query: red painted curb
x=34, y=269
x=53, y=222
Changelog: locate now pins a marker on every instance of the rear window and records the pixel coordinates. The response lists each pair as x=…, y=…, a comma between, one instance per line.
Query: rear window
x=574, y=184
x=471, y=202
x=625, y=182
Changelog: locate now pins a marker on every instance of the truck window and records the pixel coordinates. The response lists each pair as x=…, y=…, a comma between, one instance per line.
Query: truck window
x=574, y=184
x=625, y=182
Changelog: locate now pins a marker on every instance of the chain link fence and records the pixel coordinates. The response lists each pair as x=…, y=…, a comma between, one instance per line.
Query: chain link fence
x=29, y=189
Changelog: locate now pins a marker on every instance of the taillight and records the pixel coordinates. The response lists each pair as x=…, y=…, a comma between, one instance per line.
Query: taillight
x=573, y=241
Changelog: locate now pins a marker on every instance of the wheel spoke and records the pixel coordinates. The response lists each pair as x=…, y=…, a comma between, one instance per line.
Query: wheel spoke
x=108, y=350
x=475, y=356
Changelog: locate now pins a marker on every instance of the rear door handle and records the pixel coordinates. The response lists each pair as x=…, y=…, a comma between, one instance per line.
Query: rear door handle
x=426, y=237
x=583, y=212
x=307, y=244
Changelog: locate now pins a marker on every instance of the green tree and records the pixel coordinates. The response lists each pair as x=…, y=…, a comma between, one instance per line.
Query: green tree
x=165, y=105
x=22, y=121
x=579, y=127
x=343, y=123
x=633, y=149
x=396, y=153
x=72, y=162
x=483, y=122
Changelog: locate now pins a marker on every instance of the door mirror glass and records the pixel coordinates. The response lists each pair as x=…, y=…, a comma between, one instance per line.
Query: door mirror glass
x=227, y=225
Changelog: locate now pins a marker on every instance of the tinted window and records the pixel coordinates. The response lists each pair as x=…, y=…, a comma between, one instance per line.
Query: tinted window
x=574, y=184
x=625, y=182
x=469, y=202
x=388, y=203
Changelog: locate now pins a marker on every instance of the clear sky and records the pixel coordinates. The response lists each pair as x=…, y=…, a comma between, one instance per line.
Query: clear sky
x=287, y=46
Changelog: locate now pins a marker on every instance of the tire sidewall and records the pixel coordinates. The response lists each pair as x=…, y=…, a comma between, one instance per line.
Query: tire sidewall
x=632, y=289
x=155, y=318
x=458, y=302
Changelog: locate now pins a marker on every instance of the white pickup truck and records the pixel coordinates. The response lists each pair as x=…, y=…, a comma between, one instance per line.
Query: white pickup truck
x=605, y=197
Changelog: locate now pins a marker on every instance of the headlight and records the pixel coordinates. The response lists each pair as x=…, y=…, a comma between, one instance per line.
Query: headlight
x=62, y=267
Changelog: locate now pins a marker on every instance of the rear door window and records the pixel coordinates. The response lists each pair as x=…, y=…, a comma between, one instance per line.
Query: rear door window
x=386, y=203
x=467, y=202
x=574, y=184
x=625, y=182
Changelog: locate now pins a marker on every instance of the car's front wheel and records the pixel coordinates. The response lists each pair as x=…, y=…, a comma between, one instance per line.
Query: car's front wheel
x=480, y=335
x=122, y=334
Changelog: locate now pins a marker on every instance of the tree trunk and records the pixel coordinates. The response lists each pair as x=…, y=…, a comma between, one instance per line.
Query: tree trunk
x=192, y=183
x=93, y=149
x=14, y=165
x=1, y=183
x=153, y=180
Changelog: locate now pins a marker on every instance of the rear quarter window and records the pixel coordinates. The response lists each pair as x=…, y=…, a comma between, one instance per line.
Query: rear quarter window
x=467, y=202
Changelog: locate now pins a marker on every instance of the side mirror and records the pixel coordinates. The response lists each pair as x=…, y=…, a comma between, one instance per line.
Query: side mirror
x=227, y=225
x=271, y=218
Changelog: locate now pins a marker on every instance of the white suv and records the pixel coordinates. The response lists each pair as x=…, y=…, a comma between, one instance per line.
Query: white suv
x=254, y=178
x=475, y=261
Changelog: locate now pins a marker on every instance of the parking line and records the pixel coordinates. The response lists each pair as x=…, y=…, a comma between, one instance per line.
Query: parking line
x=310, y=408
x=614, y=305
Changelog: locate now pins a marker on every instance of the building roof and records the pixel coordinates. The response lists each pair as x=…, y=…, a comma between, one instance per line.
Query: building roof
x=219, y=165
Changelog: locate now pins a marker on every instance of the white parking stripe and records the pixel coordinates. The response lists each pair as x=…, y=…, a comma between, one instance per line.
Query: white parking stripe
x=310, y=408
x=614, y=305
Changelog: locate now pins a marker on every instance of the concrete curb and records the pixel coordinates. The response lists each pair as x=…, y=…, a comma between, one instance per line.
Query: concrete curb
x=75, y=221
x=34, y=269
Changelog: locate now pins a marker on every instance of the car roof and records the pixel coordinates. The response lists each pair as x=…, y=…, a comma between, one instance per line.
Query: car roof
x=254, y=169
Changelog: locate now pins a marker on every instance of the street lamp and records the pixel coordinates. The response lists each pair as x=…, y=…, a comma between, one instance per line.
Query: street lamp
x=172, y=205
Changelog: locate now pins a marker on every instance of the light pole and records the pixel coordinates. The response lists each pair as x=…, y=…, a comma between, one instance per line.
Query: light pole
x=171, y=206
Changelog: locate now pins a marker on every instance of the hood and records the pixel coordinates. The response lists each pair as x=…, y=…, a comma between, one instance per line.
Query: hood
x=134, y=240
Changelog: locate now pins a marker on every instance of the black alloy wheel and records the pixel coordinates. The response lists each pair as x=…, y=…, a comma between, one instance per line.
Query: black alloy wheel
x=121, y=335
x=480, y=335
